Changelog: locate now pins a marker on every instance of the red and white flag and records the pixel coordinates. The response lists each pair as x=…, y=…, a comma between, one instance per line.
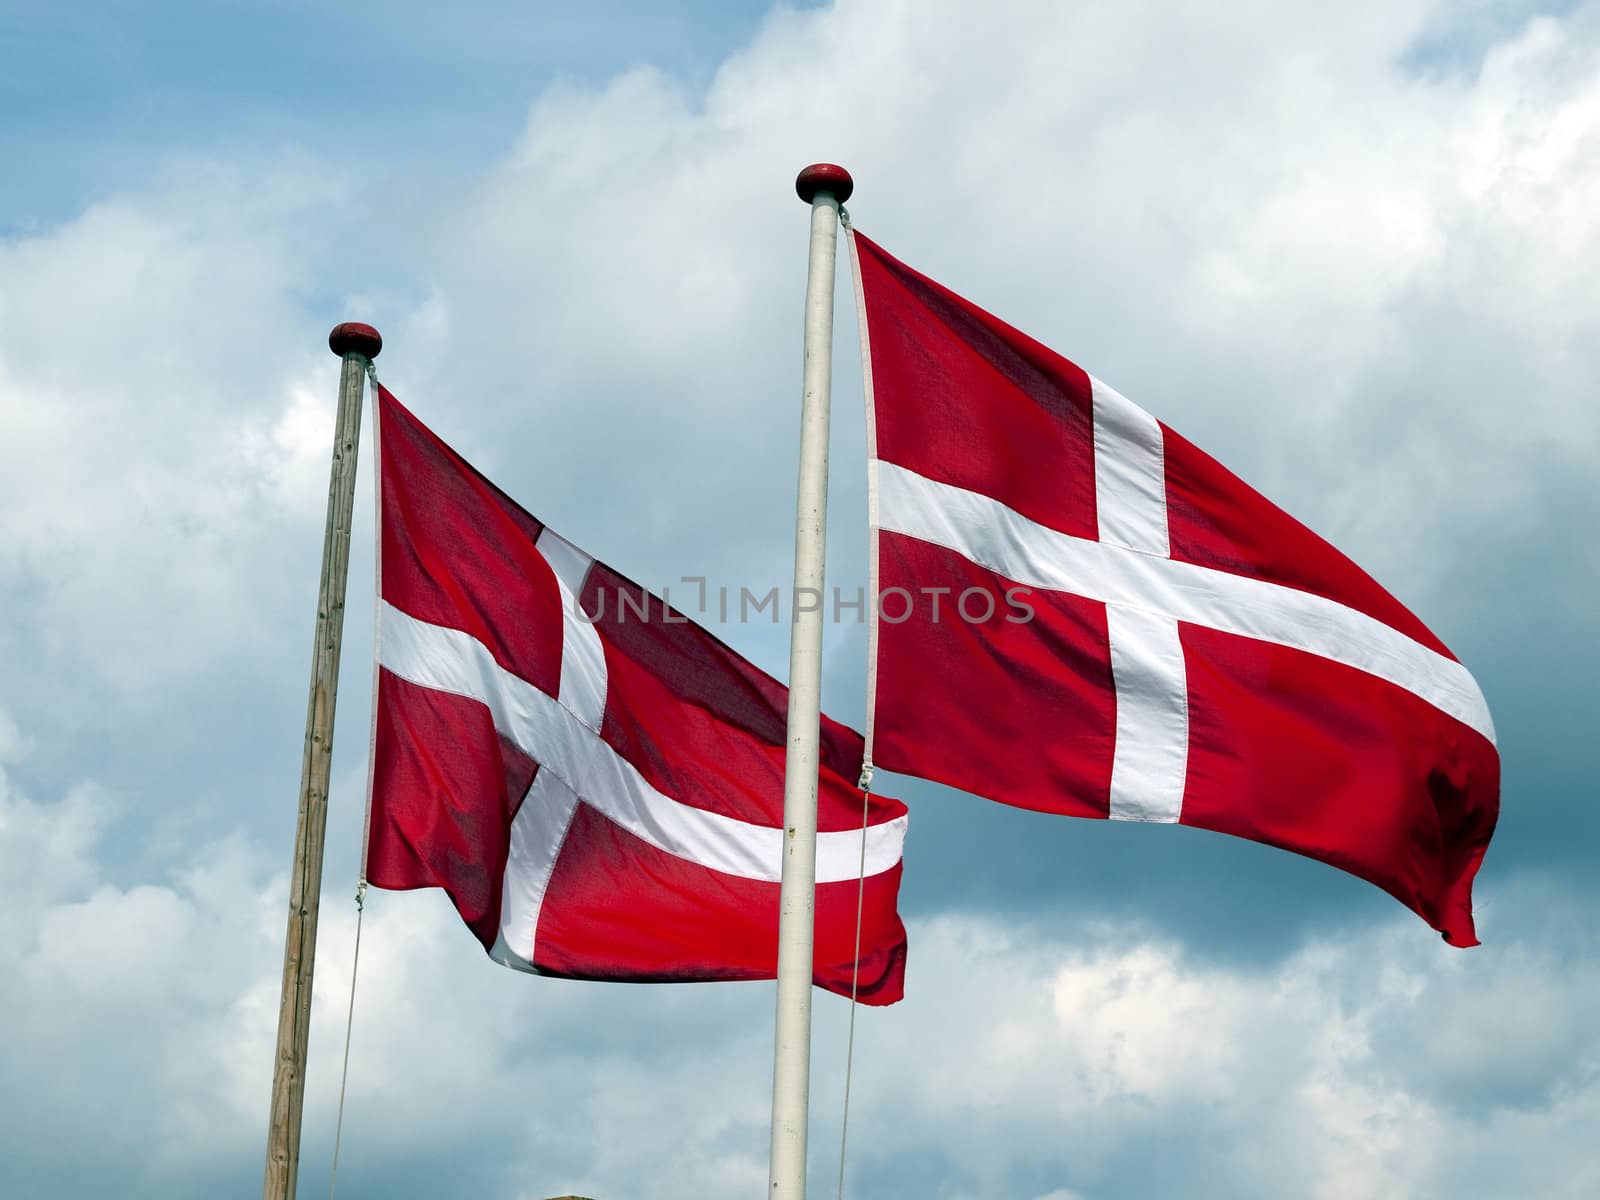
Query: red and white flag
x=1129, y=631
x=595, y=780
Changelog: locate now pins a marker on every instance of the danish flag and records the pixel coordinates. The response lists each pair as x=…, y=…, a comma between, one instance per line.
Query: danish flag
x=595, y=780
x=1188, y=652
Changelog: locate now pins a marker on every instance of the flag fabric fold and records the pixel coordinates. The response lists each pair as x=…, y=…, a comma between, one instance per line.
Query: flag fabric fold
x=1129, y=631
x=594, y=779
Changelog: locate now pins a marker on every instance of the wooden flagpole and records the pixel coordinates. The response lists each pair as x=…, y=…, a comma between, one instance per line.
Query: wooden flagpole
x=824, y=187
x=357, y=345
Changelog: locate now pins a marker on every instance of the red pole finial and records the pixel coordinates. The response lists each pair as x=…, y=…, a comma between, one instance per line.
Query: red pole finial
x=824, y=177
x=354, y=337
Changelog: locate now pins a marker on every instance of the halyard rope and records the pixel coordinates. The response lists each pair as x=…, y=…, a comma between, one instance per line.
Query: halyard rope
x=349, y=1020
x=865, y=785
x=855, y=969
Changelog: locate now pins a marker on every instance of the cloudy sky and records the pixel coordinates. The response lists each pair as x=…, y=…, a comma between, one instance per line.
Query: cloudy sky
x=1349, y=249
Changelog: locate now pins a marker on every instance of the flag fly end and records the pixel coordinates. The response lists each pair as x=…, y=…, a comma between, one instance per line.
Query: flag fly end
x=824, y=177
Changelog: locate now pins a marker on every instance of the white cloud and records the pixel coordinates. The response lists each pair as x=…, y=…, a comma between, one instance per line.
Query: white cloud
x=14, y=746
x=1027, y=1056
x=1337, y=272
x=1099, y=1059
x=1363, y=281
x=145, y=344
x=1377, y=1063
x=110, y=989
x=1333, y=269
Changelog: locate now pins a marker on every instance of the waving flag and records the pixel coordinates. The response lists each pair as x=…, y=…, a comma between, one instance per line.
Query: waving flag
x=1129, y=631
x=595, y=780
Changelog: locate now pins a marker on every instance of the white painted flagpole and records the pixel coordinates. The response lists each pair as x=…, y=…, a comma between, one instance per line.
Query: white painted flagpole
x=824, y=187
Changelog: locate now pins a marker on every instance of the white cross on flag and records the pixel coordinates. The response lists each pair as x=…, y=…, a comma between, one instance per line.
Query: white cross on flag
x=595, y=780
x=1127, y=630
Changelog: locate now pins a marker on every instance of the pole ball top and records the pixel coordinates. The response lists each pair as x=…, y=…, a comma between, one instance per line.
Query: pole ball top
x=354, y=337
x=824, y=177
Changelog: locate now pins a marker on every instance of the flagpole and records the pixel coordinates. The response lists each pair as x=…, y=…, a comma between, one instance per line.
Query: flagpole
x=824, y=187
x=357, y=345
